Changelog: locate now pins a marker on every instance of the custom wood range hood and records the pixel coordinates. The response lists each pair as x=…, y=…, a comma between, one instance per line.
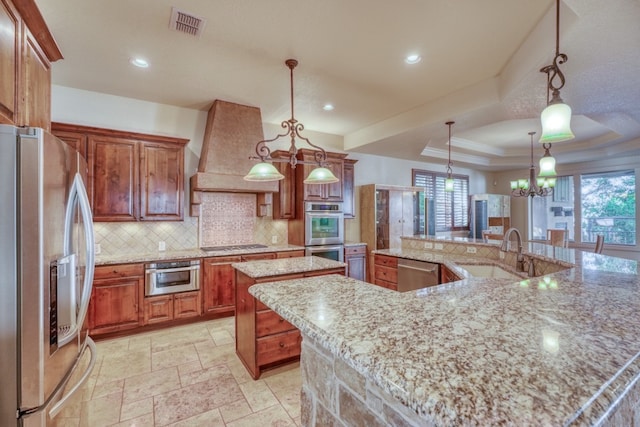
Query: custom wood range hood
x=230, y=137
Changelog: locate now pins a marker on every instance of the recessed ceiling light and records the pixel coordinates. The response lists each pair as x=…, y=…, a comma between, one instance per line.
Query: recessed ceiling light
x=328, y=107
x=139, y=62
x=413, y=58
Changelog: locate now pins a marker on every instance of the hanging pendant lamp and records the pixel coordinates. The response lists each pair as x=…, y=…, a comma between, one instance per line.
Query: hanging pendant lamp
x=265, y=171
x=542, y=186
x=448, y=183
x=556, y=117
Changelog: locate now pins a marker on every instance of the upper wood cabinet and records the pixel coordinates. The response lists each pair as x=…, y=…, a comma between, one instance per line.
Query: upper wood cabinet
x=131, y=176
x=284, y=202
x=348, y=193
x=27, y=49
x=321, y=192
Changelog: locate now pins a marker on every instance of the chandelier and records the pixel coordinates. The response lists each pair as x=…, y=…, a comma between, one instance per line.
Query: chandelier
x=542, y=186
x=265, y=171
x=448, y=183
x=556, y=117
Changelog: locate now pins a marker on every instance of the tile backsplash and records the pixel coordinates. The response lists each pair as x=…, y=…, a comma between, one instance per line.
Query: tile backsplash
x=226, y=219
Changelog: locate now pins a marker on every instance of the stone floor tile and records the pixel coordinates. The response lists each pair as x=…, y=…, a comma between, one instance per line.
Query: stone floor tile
x=105, y=389
x=150, y=384
x=207, y=419
x=141, y=421
x=136, y=409
x=101, y=411
x=258, y=395
x=204, y=374
x=65, y=422
x=274, y=416
x=235, y=410
x=173, y=356
x=222, y=337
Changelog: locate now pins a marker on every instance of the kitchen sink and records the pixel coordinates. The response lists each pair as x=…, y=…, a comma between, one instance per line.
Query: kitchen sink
x=489, y=271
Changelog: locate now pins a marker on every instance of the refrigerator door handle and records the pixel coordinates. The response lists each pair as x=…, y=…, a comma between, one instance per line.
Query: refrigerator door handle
x=92, y=361
x=89, y=343
x=78, y=193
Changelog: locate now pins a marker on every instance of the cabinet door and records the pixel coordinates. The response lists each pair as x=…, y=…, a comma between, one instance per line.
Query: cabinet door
x=333, y=192
x=186, y=304
x=113, y=178
x=10, y=44
x=161, y=182
x=396, y=216
x=219, y=284
x=284, y=202
x=76, y=140
x=36, y=71
x=355, y=258
x=348, y=178
x=158, y=309
x=114, y=305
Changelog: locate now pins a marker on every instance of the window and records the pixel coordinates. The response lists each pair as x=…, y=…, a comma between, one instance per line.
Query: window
x=609, y=207
x=450, y=209
x=605, y=203
x=556, y=211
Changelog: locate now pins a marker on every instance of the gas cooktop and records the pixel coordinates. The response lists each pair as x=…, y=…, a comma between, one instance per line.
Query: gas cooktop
x=233, y=247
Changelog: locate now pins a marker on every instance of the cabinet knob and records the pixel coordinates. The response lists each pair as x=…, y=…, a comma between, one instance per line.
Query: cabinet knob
x=281, y=320
x=281, y=345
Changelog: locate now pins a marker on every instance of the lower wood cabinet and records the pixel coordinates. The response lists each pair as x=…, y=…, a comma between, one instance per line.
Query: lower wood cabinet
x=385, y=271
x=356, y=259
x=116, y=298
x=263, y=338
x=163, y=308
x=447, y=275
x=219, y=285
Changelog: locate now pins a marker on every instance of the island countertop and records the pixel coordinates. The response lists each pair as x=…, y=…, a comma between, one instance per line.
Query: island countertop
x=278, y=267
x=554, y=350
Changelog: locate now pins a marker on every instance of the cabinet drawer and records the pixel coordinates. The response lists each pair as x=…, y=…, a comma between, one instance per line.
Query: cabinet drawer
x=289, y=254
x=386, y=273
x=118, y=270
x=355, y=250
x=388, y=261
x=258, y=257
x=269, y=322
x=385, y=284
x=278, y=347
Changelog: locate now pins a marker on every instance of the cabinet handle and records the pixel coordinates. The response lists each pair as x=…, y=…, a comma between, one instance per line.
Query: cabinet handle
x=281, y=320
x=281, y=345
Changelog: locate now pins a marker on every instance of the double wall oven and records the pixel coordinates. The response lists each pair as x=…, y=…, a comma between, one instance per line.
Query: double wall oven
x=324, y=230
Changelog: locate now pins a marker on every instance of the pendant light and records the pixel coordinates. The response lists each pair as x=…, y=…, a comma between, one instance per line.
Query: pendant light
x=542, y=186
x=448, y=183
x=265, y=171
x=556, y=117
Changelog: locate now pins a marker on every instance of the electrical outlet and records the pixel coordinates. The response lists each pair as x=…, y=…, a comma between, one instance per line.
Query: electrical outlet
x=274, y=239
x=501, y=255
x=428, y=245
x=471, y=250
x=161, y=246
x=97, y=248
x=438, y=246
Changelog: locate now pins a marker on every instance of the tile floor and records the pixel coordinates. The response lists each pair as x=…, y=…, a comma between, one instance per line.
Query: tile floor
x=182, y=376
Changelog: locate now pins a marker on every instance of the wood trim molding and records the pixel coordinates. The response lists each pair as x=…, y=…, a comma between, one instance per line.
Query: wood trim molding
x=66, y=127
x=35, y=22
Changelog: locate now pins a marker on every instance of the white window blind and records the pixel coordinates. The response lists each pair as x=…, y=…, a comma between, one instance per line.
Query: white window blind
x=451, y=208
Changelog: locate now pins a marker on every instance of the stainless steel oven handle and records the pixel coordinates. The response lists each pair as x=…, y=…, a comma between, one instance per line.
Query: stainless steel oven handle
x=172, y=270
x=430, y=270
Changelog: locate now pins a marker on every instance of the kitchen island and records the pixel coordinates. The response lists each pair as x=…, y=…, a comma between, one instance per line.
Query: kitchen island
x=560, y=349
x=263, y=338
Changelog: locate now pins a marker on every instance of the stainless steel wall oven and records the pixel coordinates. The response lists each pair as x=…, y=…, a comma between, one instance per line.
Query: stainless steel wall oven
x=171, y=277
x=324, y=224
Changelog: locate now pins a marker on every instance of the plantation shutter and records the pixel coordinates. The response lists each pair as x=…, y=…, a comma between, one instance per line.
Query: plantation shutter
x=451, y=208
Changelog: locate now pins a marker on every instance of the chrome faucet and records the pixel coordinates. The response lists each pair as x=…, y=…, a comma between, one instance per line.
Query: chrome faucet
x=505, y=247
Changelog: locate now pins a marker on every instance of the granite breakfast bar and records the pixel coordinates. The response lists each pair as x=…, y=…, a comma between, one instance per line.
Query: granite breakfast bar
x=561, y=349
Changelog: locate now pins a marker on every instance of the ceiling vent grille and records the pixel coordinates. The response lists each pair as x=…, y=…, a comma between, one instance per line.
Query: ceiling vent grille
x=186, y=22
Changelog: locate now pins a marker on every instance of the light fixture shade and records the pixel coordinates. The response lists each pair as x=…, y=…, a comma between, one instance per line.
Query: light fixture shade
x=321, y=176
x=556, y=123
x=514, y=185
x=263, y=172
x=547, y=166
x=448, y=184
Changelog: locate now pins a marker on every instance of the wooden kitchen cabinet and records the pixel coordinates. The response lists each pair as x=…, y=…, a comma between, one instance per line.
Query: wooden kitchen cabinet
x=284, y=201
x=27, y=50
x=386, y=271
x=132, y=176
x=320, y=192
x=263, y=338
x=164, y=308
x=355, y=257
x=75, y=140
x=116, y=298
x=219, y=285
x=258, y=257
x=447, y=275
x=348, y=189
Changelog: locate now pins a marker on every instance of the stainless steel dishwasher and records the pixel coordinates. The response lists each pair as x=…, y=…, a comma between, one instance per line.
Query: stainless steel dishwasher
x=413, y=274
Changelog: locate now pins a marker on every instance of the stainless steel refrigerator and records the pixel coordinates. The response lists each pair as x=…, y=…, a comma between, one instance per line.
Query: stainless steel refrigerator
x=47, y=261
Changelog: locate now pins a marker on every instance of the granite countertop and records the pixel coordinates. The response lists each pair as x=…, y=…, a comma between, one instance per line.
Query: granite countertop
x=553, y=350
x=184, y=254
x=278, y=267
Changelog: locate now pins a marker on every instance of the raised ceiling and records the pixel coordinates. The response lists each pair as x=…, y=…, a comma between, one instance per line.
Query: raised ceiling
x=480, y=67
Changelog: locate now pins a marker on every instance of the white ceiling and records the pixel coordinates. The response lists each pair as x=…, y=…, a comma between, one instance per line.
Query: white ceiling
x=480, y=67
